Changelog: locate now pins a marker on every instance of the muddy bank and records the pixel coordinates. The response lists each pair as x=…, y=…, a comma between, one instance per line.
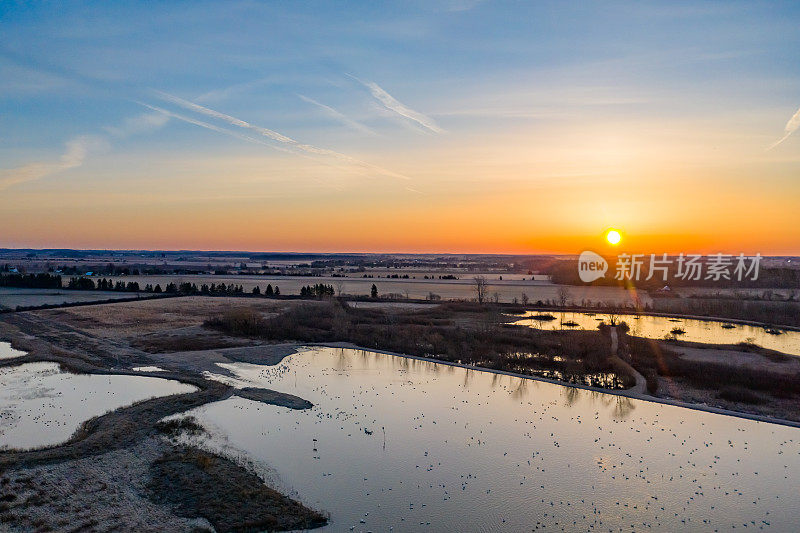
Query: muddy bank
x=103, y=492
x=198, y=483
x=273, y=397
x=198, y=361
x=152, y=482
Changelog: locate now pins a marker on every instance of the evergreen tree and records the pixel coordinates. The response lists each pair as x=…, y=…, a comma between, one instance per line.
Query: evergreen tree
x=373, y=292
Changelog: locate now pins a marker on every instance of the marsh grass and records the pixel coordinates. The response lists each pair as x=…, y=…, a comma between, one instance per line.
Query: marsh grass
x=233, y=499
x=648, y=357
x=176, y=426
x=459, y=332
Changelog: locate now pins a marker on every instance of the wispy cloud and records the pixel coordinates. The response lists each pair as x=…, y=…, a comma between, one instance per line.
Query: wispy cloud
x=233, y=90
x=209, y=126
x=274, y=135
x=391, y=103
x=79, y=148
x=792, y=126
x=341, y=117
x=74, y=155
x=288, y=142
x=144, y=123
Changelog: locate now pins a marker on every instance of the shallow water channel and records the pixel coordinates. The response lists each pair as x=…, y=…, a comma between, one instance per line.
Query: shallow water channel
x=659, y=327
x=41, y=405
x=7, y=352
x=421, y=446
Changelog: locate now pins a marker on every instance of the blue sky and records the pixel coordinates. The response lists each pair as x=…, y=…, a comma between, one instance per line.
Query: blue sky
x=402, y=105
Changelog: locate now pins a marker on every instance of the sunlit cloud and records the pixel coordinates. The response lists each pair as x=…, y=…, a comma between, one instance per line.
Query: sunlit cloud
x=391, y=103
x=79, y=148
x=341, y=117
x=74, y=155
x=791, y=127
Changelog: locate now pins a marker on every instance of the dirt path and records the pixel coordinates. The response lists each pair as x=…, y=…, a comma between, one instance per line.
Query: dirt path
x=640, y=387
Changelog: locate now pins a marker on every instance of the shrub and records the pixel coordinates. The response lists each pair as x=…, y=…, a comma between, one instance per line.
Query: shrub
x=738, y=394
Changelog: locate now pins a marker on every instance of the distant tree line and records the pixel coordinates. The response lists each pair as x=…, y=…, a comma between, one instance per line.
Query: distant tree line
x=30, y=281
x=319, y=290
x=88, y=284
x=566, y=273
x=185, y=288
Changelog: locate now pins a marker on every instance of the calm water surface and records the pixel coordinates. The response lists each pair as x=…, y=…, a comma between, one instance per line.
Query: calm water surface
x=657, y=327
x=40, y=405
x=419, y=446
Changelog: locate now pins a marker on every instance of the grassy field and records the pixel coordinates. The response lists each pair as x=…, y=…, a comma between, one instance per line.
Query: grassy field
x=11, y=297
x=460, y=289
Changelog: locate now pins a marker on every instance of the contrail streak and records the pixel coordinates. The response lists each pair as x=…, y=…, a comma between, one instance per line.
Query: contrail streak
x=274, y=135
x=791, y=127
x=391, y=103
x=341, y=117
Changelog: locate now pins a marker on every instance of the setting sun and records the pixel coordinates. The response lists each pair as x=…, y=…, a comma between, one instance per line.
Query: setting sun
x=613, y=236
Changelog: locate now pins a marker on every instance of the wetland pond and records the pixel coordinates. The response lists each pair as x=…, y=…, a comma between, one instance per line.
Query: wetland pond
x=42, y=405
x=413, y=445
x=7, y=352
x=659, y=327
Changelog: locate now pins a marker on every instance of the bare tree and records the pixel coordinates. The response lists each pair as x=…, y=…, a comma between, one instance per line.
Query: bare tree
x=563, y=296
x=339, y=288
x=524, y=299
x=480, y=288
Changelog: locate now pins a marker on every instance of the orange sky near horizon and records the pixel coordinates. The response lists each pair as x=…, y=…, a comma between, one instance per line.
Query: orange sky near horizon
x=492, y=128
x=525, y=192
x=524, y=221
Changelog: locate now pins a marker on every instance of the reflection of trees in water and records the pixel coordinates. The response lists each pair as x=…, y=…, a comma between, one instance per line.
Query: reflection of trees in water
x=521, y=389
x=341, y=361
x=622, y=405
x=467, y=377
x=571, y=395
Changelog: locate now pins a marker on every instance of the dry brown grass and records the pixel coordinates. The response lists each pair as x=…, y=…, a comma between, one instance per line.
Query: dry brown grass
x=452, y=332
